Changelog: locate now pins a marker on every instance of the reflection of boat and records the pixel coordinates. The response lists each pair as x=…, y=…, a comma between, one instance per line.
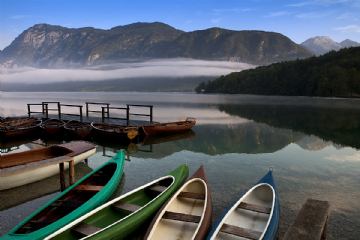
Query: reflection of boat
x=168, y=128
x=15, y=196
x=168, y=138
x=187, y=214
x=21, y=168
x=53, y=127
x=19, y=127
x=77, y=130
x=123, y=215
x=114, y=132
x=255, y=215
x=90, y=191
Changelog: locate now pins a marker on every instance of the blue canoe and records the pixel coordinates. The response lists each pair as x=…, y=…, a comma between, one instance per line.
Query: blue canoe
x=254, y=216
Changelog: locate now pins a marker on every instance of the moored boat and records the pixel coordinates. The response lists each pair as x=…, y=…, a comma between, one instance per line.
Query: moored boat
x=11, y=175
x=187, y=215
x=168, y=128
x=11, y=128
x=86, y=194
x=114, y=132
x=77, y=130
x=123, y=215
x=53, y=127
x=254, y=216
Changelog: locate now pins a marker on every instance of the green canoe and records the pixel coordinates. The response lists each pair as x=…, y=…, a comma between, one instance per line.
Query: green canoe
x=86, y=194
x=121, y=216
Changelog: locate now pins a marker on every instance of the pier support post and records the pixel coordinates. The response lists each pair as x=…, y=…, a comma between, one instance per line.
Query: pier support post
x=71, y=172
x=62, y=176
x=311, y=222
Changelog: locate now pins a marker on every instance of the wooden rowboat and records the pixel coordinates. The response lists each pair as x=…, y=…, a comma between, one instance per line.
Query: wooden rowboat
x=86, y=194
x=11, y=128
x=53, y=127
x=114, y=132
x=254, y=216
x=121, y=216
x=169, y=128
x=77, y=130
x=21, y=168
x=187, y=215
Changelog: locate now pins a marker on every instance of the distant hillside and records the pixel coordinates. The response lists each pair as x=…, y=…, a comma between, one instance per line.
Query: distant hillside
x=336, y=74
x=322, y=44
x=46, y=45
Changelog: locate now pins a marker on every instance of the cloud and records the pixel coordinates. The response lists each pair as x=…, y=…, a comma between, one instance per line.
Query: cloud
x=231, y=10
x=347, y=16
x=312, y=15
x=349, y=29
x=277, y=14
x=323, y=3
x=153, y=68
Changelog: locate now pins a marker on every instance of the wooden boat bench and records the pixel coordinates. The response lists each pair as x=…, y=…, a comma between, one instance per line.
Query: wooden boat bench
x=84, y=229
x=192, y=195
x=254, y=208
x=181, y=217
x=91, y=188
x=126, y=206
x=240, y=232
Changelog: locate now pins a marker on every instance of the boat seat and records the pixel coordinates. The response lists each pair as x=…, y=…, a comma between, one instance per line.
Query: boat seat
x=84, y=229
x=181, y=217
x=157, y=188
x=126, y=206
x=240, y=232
x=91, y=188
x=192, y=195
x=254, y=208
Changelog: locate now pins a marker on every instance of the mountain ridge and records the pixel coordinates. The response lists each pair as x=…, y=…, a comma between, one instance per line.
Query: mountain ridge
x=320, y=45
x=45, y=45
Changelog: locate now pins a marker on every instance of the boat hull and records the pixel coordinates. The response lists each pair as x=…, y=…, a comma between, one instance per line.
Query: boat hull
x=168, y=128
x=77, y=130
x=100, y=197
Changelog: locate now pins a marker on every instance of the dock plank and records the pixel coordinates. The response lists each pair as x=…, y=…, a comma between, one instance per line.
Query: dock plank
x=310, y=223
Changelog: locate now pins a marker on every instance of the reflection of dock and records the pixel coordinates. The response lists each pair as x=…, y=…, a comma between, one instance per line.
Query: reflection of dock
x=15, y=196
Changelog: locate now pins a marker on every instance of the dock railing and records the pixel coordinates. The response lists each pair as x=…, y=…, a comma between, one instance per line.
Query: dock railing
x=80, y=115
x=105, y=114
x=88, y=104
x=150, y=115
x=44, y=109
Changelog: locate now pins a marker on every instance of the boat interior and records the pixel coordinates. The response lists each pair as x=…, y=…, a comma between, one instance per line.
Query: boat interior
x=35, y=155
x=249, y=219
x=118, y=211
x=72, y=200
x=182, y=216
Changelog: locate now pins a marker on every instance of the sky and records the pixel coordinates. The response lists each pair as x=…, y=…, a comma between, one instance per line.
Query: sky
x=297, y=19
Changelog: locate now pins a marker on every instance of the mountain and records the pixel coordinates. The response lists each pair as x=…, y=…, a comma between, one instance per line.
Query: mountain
x=45, y=45
x=322, y=44
x=335, y=74
x=349, y=43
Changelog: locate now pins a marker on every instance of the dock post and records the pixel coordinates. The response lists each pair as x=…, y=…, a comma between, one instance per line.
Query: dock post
x=29, y=112
x=127, y=114
x=87, y=109
x=311, y=222
x=62, y=176
x=71, y=172
x=108, y=110
x=59, y=112
x=46, y=111
x=151, y=114
x=81, y=113
x=102, y=114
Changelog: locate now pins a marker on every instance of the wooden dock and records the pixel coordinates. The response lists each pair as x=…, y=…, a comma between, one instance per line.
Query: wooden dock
x=126, y=114
x=311, y=222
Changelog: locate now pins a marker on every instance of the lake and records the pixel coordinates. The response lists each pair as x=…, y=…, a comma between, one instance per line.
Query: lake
x=312, y=145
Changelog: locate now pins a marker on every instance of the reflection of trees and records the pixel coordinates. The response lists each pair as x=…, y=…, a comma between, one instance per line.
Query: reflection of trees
x=340, y=126
x=220, y=139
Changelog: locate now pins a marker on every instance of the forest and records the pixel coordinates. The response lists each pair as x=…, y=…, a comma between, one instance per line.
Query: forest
x=335, y=74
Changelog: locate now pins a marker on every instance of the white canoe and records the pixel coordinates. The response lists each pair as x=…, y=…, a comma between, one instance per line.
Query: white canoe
x=78, y=150
x=187, y=215
x=250, y=216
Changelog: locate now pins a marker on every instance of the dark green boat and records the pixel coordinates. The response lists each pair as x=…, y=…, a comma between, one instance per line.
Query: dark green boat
x=123, y=215
x=86, y=194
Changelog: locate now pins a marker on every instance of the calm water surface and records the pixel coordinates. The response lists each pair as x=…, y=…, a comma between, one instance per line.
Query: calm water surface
x=311, y=143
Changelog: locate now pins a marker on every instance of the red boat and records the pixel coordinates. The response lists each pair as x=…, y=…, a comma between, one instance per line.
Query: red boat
x=168, y=128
